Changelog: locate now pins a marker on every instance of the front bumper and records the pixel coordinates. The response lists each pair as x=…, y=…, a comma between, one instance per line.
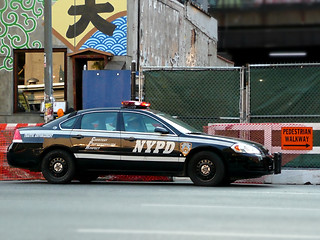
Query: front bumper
x=242, y=166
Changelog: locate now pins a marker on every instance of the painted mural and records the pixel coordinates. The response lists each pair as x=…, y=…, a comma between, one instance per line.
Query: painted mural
x=79, y=24
x=115, y=44
x=18, y=19
x=98, y=24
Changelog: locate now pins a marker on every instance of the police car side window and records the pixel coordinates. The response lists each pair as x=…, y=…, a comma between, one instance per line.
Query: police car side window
x=105, y=121
x=134, y=122
x=68, y=124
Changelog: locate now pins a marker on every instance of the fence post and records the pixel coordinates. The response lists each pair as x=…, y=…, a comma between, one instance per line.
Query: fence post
x=242, y=96
x=247, y=87
x=140, y=84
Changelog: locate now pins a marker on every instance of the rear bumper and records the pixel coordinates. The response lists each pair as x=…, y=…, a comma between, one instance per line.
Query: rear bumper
x=20, y=156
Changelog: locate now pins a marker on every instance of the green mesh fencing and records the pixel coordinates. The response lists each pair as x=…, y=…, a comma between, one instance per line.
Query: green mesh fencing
x=285, y=93
x=195, y=96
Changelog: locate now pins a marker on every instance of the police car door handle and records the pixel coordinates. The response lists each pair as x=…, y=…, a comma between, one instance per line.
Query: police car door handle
x=78, y=136
x=131, y=139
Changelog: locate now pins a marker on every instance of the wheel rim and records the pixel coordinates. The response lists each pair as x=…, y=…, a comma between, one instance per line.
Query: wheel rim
x=205, y=169
x=58, y=166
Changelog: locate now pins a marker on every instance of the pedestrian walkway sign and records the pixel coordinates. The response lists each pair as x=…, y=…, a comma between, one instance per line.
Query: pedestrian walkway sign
x=296, y=138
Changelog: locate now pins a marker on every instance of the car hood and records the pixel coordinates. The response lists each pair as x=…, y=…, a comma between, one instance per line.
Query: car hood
x=225, y=140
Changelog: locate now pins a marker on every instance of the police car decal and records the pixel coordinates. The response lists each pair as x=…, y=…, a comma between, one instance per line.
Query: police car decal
x=154, y=146
x=97, y=143
x=185, y=148
x=38, y=135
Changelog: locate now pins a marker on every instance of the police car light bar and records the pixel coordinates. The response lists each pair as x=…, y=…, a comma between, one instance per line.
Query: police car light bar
x=135, y=104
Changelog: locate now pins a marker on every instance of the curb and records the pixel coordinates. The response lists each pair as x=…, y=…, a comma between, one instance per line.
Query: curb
x=287, y=177
x=298, y=177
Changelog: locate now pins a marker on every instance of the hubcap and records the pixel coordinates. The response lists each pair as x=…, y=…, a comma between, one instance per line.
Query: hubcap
x=58, y=167
x=205, y=169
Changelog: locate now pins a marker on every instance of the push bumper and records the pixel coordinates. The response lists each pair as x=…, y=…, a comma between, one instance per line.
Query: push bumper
x=277, y=160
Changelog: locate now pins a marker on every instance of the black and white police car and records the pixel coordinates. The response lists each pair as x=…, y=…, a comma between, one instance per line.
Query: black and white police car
x=135, y=140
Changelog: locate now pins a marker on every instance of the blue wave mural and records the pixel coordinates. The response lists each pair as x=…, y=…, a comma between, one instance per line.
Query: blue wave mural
x=115, y=44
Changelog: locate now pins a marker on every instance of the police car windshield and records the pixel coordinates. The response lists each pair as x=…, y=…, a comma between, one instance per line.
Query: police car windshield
x=177, y=123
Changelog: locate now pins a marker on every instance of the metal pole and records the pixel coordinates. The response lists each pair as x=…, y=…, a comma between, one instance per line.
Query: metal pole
x=48, y=91
x=138, y=37
x=248, y=94
x=133, y=80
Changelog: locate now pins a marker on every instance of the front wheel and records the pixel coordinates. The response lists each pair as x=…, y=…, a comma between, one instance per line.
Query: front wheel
x=206, y=169
x=58, y=167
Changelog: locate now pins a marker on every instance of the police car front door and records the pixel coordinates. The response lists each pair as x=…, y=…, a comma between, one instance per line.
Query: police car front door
x=97, y=141
x=145, y=150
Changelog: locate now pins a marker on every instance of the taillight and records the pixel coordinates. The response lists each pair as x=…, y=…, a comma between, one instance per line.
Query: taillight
x=17, y=136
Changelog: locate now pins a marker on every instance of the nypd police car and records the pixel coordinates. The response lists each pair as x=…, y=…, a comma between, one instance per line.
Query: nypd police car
x=133, y=139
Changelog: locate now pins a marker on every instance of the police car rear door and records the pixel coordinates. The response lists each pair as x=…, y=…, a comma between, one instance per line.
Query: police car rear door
x=97, y=141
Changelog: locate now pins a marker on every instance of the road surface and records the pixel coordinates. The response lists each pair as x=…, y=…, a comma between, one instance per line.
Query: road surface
x=31, y=210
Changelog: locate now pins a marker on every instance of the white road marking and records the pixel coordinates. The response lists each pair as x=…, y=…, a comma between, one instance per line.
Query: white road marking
x=265, y=208
x=194, y=233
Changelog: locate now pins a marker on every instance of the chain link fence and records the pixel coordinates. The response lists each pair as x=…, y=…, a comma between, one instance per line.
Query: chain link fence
x=256, y=94
x=284, y=93
x=197, y=96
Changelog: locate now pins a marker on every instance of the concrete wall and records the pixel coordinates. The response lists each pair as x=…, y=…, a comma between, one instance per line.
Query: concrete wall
x=172, y=34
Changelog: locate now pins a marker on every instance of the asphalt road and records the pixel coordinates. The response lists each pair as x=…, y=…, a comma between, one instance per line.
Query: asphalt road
x=179, y=210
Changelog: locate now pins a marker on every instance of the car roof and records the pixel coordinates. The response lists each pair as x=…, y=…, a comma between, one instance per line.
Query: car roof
x=97, y=109
x=84, y=111
x=110, y=109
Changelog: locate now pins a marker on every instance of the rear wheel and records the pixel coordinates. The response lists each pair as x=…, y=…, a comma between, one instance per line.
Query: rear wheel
x=206, y=169
x=58, y=167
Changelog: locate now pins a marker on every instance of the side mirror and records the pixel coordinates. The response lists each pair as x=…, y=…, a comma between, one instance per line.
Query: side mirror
x=161, y=130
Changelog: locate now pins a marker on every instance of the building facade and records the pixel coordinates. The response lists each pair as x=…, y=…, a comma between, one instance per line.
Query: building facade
x=94, y=35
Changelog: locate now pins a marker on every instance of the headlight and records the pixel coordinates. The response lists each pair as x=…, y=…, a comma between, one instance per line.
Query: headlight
x=245, y=148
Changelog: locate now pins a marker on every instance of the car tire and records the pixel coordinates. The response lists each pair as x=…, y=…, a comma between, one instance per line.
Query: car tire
x=58, y=167
x=206, y=169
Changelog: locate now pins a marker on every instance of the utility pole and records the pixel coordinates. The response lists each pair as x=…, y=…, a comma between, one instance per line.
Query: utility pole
x=133, y=80
x=48, y=79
